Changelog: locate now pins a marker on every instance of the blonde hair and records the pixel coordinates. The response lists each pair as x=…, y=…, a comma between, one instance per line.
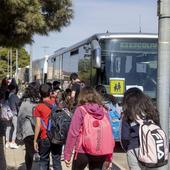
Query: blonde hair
x=89, y=95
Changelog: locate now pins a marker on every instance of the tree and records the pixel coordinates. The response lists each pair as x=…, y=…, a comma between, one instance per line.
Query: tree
x=23, y=60
x=21, y=19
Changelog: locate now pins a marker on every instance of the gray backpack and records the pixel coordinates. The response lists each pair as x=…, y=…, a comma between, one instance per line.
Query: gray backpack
x=5, y=112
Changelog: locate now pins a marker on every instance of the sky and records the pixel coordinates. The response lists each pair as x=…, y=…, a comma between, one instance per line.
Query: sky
x=99, y=16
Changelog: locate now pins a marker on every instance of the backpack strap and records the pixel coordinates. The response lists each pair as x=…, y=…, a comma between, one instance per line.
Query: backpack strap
x=136, y=154
x=47, y=127
x=139, y=120
x=48, y=105
x=84, y=110
x=142, y=121
x=81, y=140
x=30, y=118
x=43, y=123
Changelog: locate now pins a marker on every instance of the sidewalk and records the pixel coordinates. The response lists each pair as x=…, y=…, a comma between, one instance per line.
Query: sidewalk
x=2, y=154
x=15, y=160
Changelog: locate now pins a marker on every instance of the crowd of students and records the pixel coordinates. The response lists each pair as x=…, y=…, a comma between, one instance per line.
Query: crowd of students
x=29, y=111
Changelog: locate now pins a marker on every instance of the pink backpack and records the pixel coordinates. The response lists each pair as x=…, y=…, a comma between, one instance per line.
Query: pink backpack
x=153, y=150
x=96, y=135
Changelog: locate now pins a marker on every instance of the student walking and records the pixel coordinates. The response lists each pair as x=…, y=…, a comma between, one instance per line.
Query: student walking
x=26, y=121
x=96, y=152
x=14, y=103
x=136, y=106
x=75, y=87
x=110, y=103
x=44, y=146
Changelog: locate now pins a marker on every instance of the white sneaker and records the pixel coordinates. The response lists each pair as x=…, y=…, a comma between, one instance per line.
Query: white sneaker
x=7, y=145
x=13, y=146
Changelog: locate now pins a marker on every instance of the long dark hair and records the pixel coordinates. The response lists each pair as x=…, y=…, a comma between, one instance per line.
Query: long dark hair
x=4, y=84
x=32, y=92
x=135, y=102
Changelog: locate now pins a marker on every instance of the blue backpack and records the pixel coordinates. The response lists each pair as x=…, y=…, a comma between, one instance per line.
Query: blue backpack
x=115, y=120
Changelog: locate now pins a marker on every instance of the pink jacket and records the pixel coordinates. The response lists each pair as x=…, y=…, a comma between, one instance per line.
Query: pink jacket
x=75, y=126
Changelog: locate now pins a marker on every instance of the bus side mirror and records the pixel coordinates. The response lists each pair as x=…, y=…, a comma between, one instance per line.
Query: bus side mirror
x=96, y=58
x=96, y=54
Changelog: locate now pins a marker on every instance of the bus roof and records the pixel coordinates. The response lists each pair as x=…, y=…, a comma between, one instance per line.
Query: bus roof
x=126, y=35
x=104, y=36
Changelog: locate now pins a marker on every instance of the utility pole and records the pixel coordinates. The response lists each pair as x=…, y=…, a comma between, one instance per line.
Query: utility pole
x=45, y=65
x=11, y=63
x=163, y=83
x=16, y=66
x=30, y=68
x=140, y=27
x=8, y=56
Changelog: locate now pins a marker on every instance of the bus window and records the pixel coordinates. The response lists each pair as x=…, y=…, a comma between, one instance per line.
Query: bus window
x=132, y=59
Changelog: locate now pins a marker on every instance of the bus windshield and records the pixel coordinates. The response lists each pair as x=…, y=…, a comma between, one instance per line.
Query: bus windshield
x=135, y=60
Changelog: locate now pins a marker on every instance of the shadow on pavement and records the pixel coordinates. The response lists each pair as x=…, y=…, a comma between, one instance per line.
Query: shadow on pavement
x=11, y=168
x=22, y=166
x=118, y=148
x=114, y=167
x=2, y=157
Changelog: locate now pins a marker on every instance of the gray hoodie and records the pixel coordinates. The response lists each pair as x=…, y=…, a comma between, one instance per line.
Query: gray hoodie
x=25, y=120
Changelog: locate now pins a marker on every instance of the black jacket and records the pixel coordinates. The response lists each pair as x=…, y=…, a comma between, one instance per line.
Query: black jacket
x=129, y=135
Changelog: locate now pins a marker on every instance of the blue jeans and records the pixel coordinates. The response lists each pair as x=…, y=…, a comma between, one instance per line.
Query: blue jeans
x=45, y=148
x=9, y=127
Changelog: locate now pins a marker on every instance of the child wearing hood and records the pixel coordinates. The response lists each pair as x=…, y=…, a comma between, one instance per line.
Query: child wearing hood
x=91, y=101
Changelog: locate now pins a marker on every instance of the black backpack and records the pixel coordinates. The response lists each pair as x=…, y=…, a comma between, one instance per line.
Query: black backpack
x=58, y=124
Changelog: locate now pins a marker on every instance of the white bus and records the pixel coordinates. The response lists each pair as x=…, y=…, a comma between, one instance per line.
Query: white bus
x=131, y=57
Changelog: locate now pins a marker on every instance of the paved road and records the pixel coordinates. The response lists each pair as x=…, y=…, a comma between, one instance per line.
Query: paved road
x=13, y=159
